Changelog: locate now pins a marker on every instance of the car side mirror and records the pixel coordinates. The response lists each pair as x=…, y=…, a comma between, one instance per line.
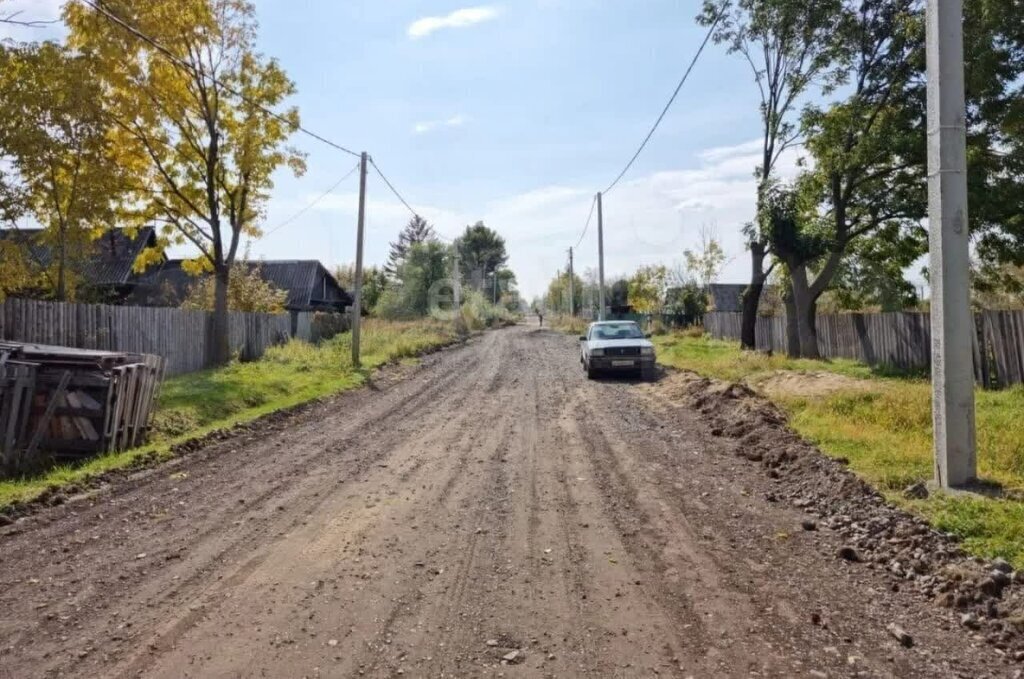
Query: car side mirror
x=583, y=338
x=647, y=335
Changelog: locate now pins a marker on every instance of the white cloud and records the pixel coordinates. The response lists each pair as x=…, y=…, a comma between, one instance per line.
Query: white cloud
x=720, y=153
x=428, y=125
x=460, y=18
x=648, y=220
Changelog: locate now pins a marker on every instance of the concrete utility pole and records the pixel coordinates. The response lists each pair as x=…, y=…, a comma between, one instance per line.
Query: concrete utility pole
x=952, y=320
x=357, y=302
x=600, y=259
x=572, y=288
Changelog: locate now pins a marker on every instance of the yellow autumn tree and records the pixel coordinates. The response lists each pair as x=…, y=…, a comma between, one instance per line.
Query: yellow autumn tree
x=647, y=288
x=189, y=97
x=247, y=291
x=56, y=137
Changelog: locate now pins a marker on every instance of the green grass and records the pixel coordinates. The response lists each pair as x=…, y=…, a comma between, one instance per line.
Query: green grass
x=884, y=428
x=193, y=405
x=571, y=325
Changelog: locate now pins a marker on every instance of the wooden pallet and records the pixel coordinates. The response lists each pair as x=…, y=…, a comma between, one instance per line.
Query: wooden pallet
x=61, y=403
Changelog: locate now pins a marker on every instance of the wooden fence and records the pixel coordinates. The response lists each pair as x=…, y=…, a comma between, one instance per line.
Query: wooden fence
x=181, y=337
x=899, y=340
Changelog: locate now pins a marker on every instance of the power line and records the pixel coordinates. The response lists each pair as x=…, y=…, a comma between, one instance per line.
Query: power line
x=312, y=203
x=586, y=226
x=393, y=189
x=664, y=111
x=406, y=203
x=180, y=63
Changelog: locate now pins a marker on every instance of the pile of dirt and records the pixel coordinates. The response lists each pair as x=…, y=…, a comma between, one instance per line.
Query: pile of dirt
x=986, y=597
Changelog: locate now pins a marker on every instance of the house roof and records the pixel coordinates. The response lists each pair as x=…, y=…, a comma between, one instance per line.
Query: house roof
x=729, y=296
x=111, y=258
x=296, y=277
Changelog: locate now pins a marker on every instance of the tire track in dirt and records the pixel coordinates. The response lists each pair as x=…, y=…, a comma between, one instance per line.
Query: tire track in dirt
x=493, y=495
x=439, y=434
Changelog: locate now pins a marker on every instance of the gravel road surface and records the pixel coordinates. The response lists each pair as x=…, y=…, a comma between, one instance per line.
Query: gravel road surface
x=489, y=512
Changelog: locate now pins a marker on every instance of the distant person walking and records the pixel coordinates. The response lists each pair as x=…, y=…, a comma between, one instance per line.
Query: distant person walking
x=540, y=317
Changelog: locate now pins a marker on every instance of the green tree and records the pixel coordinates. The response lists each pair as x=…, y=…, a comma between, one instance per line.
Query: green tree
x=871, y=277
x=422, y=273
x=557, y=298
x=375, y=280
x=205, y=156
x=994, y=70
x=56, y=137
x=786, y=44
x=868, y=150
x=687, y=299
x=508, y=295
x=481, y=253
x=416, y=231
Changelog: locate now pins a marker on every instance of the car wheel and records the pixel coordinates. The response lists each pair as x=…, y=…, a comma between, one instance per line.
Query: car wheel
x=591, y=372
x=647, y=373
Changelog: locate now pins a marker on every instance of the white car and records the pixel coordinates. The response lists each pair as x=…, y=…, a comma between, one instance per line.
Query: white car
x=616, y=346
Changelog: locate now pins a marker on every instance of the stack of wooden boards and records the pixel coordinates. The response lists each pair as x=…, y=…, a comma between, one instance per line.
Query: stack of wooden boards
x=60, y=403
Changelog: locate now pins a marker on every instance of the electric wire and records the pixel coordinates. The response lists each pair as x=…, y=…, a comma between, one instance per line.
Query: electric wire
x=393, y=189
x=311, y=204
x=181, y=64
x=668, y=105
x=586, y=226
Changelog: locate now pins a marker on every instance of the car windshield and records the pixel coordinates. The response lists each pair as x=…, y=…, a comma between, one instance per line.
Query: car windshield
x=613, y=331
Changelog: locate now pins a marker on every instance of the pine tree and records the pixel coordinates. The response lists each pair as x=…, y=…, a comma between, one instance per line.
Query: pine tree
x=416, y=231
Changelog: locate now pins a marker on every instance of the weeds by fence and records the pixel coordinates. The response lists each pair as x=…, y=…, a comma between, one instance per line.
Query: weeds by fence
x=897, y=340
x=181, y=337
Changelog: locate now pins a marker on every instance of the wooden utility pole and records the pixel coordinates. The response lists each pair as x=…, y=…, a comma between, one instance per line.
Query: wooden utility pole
x=600, y=259
x=357, y=301
x=572, y=290
x=949, y=249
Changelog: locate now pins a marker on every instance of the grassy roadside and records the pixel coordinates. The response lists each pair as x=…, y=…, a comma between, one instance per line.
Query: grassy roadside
x=191, y=406
x=572, y=325
x=882, y=425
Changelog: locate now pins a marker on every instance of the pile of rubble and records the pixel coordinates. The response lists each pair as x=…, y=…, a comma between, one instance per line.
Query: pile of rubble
x=986, y=596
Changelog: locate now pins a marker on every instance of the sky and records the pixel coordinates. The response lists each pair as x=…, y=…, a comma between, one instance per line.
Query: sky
x=514, y=113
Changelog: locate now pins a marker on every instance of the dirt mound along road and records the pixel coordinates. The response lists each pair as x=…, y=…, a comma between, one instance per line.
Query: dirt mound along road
x=494, y=514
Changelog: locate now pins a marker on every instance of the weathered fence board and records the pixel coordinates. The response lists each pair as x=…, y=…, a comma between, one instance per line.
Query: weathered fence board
x=900, y=340
x=181, y=337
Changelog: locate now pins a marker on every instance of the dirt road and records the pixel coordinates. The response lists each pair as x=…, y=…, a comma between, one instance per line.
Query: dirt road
x=492, y=513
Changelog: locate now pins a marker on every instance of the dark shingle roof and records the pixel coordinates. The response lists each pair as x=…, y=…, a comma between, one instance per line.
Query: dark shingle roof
x=727, y=296
x=109, y=262
x=296, y=277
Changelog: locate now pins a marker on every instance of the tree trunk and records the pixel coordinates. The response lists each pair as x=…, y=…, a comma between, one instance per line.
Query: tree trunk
x=805, y=309
x=811, y=323
x=62, y=282
x=220, y=350
x=792, y=326
x=752, y=296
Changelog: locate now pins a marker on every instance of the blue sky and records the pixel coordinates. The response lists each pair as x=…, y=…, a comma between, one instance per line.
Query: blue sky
x=515, y=113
